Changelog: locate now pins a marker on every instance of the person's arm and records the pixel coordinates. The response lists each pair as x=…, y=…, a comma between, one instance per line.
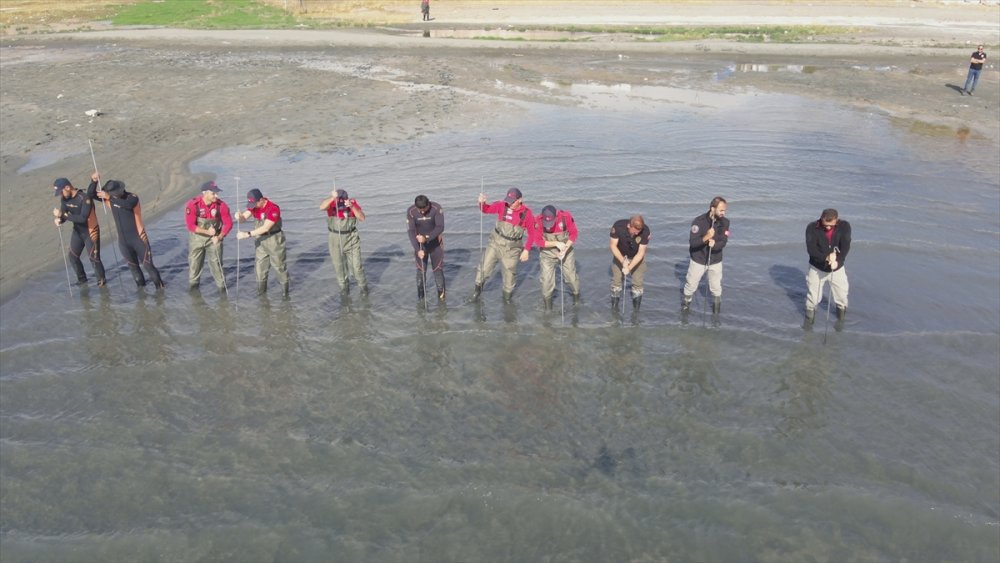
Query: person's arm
x=613, y=245
x=60, y=212
x=326, y=203
x=637, y=259
x=528, y=224
x=411, y=228
x=353, y=205
x=259, y=231
x=698, y=239
x=438, y=229
x=721, y=234
x=843, y=241
x=816, y=244
x=191, y=218
x=227, y=221
x=570, y=227
x=139, y=227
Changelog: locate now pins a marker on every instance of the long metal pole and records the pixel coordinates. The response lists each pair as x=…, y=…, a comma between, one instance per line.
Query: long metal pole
x=104, y=205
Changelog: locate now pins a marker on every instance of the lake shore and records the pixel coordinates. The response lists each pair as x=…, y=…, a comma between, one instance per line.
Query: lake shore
x=167, y=96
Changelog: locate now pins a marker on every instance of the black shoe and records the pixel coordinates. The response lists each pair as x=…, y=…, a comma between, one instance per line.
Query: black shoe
x=636, y=302
x=616, y=301
x=969, y=93
x=102, y=282
x=476, y=292
x=841, y=313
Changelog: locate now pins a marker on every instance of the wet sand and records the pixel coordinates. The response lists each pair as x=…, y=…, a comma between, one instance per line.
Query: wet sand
x=168, y=96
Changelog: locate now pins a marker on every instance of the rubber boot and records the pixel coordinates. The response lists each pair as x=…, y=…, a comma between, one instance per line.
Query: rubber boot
x=810, y=317
x=476, y=292
x=441, y=294
x=841, y=313
x=716, y=304
x=364, y=290
x=508, y=297
x=284, y=290
x=686, y=303
x=576, y=298
x=547, y=302
x=616, y=299
x=636, y=302
x=420, y=293
x=262, y=288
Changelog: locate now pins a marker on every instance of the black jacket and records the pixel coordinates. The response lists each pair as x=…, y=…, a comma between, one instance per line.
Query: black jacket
x=818, y=247
x=699, y=248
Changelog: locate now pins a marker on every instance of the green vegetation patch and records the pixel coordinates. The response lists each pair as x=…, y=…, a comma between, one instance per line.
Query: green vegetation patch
x=205, y=14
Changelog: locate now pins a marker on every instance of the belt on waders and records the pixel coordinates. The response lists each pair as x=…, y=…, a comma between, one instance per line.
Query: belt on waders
x=339, y=232
x=512, y=239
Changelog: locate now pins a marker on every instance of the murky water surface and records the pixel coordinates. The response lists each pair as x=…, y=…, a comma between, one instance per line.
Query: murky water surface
x=183, y=427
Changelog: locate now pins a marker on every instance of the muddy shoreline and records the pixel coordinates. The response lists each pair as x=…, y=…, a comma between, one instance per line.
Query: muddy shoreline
x=169, y=96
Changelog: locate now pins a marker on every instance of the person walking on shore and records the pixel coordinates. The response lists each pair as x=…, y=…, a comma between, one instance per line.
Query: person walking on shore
x=975, y=68
x=425, y=10
x=342, y=219
x=510, y=242
x=425, y=227
x=708, y=237
x=208, y=222
x=629, y=239
x=555, y=234
x=78, y=207
x=269, y=239
x=828, y=241
x=132, y=238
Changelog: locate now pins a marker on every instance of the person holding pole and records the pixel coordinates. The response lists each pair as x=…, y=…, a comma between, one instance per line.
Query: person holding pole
x=828, y=241
x=629, y=239
x=269, y=240
x=555, y=234
x=425, y=227
x=132, y=238
x=342, y=216
x=510, y=242
x=208, y=222
x=709, y=235
x=78, y=208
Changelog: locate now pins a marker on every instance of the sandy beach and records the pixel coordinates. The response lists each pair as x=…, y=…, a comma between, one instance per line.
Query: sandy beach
x=167, y=96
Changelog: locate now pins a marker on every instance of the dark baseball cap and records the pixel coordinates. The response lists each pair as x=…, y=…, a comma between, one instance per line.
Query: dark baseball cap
x=548, y=216
x=253, y=196
x=210, y=186
x=114, y=186
x=59, y=184
x=513, y=195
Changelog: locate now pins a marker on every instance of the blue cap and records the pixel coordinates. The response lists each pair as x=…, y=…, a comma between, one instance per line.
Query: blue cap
x=513, y=195
x=253, y=196
x=59, y=184
x=210, y=186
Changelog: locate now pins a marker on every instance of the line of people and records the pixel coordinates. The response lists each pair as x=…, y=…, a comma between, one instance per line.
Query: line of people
x=516, y=231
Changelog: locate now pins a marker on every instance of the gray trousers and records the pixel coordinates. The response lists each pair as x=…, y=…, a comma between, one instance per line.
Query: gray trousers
x=200, y=246
x=270, y=253
x=508, y=254
x=548, y=258
x=635, y=275
x=696, y=271
x=345, y=253
x=815, y=279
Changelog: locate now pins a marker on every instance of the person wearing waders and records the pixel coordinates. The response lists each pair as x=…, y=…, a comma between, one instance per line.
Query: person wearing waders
x=555, y=235
x=510, y=242
x=629, y=239
x=132, y=238
x=342, y=216
x=208, y=222
x=268, y=239
x=828, y=241
x=425, y=227
x=78, y=207
x=709, y=235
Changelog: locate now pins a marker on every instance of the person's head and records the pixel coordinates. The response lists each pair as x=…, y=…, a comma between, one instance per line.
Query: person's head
x=718, y=207
x=828, y=219
x=115, y=188
x=548, y=216
x=63, y=188
x=513, y=198
x=422, y=204
x=636, y=224
x=255, y=199
x=210, y=191
x=980, y=48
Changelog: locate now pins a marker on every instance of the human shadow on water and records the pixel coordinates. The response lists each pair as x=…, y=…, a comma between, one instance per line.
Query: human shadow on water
x=792, y=280
x=308, y=261
x=378, y=261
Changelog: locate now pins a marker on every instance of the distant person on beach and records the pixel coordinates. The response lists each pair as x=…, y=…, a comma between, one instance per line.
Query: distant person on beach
x=78, y=207
x=132, y=238
x=629, y=239
x=342, y=216
x=510, y=242
x=828, y=241
x=269, y=240
x=708, y=236
x=975, y=67
x=208, y=222
x=425, y=9
x=425, y=227
x=556, y=233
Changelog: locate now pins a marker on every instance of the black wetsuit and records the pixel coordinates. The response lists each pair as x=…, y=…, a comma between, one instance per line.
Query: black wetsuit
x=133, y=243
x=79, y=209
x=432, y=227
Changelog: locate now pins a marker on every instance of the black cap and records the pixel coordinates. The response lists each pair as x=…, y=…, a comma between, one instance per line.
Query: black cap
x=513, y=195
x=210, y=186
x=253, y=196
x=59, y=184
x=548, y=216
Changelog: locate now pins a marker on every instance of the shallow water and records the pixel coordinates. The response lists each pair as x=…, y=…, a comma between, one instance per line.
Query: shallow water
x=183, y=427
